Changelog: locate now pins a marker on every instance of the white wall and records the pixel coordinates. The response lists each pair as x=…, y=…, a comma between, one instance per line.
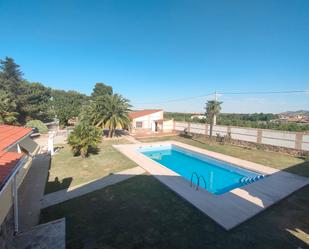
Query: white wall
x=270, y=137
x=305, y=142
x=180, y=126
x=168, y=125
x=148, y=119
x=197, y=128
x=279, y=138
x=249, y=135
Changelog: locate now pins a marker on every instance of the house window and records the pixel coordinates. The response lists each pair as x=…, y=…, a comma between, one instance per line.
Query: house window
x=139, y=124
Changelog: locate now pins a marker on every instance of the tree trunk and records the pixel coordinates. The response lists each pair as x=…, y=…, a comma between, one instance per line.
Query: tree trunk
x=110, y=132
x=210, y=130
x=211, y=127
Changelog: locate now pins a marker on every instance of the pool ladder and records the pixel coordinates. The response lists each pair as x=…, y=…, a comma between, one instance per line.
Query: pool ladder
x=198, y=180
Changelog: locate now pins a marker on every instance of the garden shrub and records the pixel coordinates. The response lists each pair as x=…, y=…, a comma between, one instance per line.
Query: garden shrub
x=37, y=124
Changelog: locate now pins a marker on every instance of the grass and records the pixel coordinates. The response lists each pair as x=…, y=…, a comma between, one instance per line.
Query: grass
x=67, y=170
x=143, y=213
x=276, y=160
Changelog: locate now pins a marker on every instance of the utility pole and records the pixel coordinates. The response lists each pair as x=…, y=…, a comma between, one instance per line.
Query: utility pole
x=215, y=117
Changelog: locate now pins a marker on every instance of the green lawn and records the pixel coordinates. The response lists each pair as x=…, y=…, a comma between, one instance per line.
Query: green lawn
x=67, y=170
x=143, y=213
x=272, y=159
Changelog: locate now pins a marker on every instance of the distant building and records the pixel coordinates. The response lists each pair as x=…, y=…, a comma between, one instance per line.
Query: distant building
x=147, y=120
x=16, y=152
x=198, y=116
x=296, y=118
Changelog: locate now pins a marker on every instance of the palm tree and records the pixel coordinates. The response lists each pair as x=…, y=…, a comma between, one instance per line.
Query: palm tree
x=213, y=108
x=84, y=138
x=112, y=112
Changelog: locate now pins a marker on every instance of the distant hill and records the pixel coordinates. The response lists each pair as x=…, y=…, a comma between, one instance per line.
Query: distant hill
x=300, y=112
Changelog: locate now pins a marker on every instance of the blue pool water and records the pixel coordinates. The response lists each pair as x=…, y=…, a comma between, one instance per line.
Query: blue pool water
x=220, y=176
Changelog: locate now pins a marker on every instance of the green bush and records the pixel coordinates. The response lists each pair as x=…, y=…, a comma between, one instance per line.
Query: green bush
x=84, y=138
x=37, y=124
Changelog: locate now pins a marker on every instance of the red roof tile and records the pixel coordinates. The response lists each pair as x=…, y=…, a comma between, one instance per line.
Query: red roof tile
x=8, y=161
x=142, y=113
x=10, y=134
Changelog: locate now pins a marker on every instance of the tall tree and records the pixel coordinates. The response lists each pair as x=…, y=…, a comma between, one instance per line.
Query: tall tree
x=33, y=103
x=109, y=111
x=213, y=108
x=67, y=105
x=31, y=99
x=100, y=89
x=8, y=114
x=10, y=70
x=10, y=76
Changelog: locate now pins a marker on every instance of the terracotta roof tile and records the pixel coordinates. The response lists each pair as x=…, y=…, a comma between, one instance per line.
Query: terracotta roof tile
x=9, y=135
x=142, y=113
x=8, y=161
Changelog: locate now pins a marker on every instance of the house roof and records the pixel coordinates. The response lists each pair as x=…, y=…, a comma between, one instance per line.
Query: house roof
x=8, y=161
x=10, y=135
x=142, y=113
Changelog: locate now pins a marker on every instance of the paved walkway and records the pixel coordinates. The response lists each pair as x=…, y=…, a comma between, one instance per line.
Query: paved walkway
x=82, y=189
x=50, y=235
x=31, y=192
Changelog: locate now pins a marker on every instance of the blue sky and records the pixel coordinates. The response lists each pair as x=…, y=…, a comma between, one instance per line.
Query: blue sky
x=152, y=51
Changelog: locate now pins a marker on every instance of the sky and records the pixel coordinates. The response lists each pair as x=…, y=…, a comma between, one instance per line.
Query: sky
x=154, y=51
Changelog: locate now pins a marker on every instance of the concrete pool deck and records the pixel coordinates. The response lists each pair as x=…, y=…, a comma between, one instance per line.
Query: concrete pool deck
x=228, y=209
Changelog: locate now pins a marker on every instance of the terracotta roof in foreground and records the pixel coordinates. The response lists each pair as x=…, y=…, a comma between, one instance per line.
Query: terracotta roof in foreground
x=10, y=135
x=142, y=113
x=8, y=161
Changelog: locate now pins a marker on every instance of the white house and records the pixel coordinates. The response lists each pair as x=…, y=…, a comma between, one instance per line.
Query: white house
x=147, y=120
x=198, y=116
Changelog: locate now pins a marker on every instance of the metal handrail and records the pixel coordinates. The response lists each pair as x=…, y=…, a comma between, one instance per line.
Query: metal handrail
x=199, y=182
x=198, y=179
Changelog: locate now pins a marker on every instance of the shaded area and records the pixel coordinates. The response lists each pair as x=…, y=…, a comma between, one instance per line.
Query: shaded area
x=299, y=169
x=56, y=185
x=65, y=194
x=143, y=213
x=49, y=235
x=31, y=192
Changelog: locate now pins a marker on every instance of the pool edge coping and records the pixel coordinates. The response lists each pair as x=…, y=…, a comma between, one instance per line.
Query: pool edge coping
x=228, y=209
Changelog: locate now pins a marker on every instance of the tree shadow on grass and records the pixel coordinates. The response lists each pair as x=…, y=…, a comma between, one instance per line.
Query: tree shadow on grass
x=301, y=169
x=56, y=185
x=93, y=151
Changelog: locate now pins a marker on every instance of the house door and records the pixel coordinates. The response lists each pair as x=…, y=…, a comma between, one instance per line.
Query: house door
x=154, y=126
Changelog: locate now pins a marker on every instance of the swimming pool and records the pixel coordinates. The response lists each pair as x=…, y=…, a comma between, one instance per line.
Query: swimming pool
x=215, y=176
